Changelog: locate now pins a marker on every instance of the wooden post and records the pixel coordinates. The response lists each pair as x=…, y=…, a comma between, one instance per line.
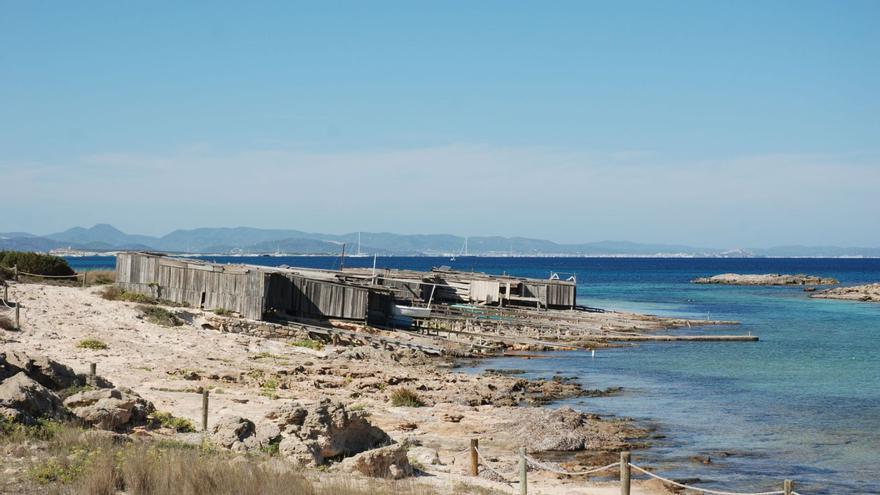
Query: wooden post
x=85, y=274
x=6, y=294
x=17, y=319
x=475, y=461
x=787, y=487
x=624, y=473
x=15, y=272
x=523, y=472
x=204, y=409
x=93, y=368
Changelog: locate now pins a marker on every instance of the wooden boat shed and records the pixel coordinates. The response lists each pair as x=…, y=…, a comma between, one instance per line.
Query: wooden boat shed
x=254, y=292
x=443, y=285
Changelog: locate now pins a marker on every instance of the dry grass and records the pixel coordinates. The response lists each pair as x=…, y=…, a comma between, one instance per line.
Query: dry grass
x=70, y=461
x=406, y=398
x=100, y=277
x=93, y=344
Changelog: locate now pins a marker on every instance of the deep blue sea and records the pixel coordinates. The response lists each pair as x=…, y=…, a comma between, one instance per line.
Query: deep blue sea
x=802, y=403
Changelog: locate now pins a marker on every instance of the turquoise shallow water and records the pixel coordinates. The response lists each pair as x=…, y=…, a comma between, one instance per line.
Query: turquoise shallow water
x=802, y=403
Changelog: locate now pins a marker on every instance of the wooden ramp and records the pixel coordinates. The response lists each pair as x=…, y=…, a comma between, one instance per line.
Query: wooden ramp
x=676, y=338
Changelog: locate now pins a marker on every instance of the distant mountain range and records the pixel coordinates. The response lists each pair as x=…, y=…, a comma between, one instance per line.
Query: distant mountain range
x=246, y=240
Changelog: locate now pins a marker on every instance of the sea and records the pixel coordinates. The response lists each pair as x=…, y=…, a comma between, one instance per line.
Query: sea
x=802, y=403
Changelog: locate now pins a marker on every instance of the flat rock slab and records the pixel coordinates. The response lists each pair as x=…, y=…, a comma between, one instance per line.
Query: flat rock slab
x=866, y=293
x=765, y=279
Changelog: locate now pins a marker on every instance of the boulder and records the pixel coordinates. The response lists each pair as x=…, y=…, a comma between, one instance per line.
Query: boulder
x=236, y=433
x=48, y=373
x=423, y=456
x=23, y=400
x=110, y=408
x=313, y=435
x=385, y=462
x=268, y=433
x=562, y=429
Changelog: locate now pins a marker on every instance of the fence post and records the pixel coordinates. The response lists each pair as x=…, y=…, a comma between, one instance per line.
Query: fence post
x=204, y=409
x=6, y=293
x=475, y=462
x=523, y=472
x=93, y=369
x=787, y=487
x=85, y=275
x=17, y=318
x=624, y=473
x=15, y=272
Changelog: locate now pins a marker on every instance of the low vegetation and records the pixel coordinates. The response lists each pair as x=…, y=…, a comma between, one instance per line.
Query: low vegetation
x=167, y=420
x=114, y=293
x=93, y=344
x=308, y=343
x=100, y=277
x=223, y=312
x=40, y=264
x=160, y=316
x=404, y=397
x=64, y=460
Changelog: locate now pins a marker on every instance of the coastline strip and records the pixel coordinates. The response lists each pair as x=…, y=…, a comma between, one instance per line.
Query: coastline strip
x=676, y=338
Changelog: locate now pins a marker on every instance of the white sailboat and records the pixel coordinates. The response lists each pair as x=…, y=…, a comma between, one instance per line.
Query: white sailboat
x=464, y=251
x=358, y=253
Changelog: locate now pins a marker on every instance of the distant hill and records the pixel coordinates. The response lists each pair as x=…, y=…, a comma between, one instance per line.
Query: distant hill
x=102, y=234
x=249, y=240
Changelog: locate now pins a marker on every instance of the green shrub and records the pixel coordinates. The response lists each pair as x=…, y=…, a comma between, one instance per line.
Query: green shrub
x=160, y=316
x=55, y=470
x=167, y=420
x=223, y=312
x=12, y=432
x=406, y=398
x=115, y=293
x=93, y=344
x=40, y=264
x=308, y=343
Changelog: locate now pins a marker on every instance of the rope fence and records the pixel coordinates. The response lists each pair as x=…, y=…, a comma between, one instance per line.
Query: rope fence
x=695, y=488
x=84, y=274
x=624, y=466
x=75, y=275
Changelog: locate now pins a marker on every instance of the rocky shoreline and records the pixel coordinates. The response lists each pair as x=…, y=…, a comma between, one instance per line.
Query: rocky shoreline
x=263, y=392
x=765, y=279
x=866, y=293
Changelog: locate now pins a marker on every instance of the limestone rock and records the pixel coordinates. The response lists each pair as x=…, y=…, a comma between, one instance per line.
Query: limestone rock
x=423, y=456
x=23, y=400
x=385, y=462
x=48, y=373
x=110, y=408
x=765, y=279
x=327, y=430
x=562, y=429
x=236, y=433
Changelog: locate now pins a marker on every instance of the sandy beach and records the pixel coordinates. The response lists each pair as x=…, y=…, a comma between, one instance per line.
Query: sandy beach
x=250, y=376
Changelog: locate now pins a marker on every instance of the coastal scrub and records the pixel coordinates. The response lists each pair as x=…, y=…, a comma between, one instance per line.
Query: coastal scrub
x=93, y=344
x=404, y=397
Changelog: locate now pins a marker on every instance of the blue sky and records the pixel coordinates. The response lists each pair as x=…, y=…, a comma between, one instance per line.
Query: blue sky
x=713, y=123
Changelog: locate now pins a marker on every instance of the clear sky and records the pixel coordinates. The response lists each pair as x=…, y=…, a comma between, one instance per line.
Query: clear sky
x=713, y=123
